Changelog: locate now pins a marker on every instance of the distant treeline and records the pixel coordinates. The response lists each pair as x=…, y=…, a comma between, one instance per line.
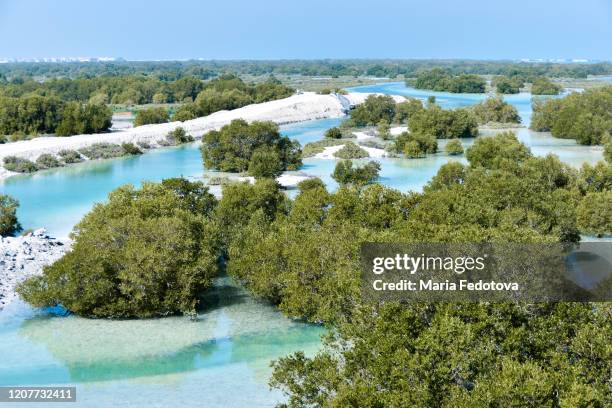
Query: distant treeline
x=68, y=107
x=137, y=89
x=173, y=70
x=442, y=80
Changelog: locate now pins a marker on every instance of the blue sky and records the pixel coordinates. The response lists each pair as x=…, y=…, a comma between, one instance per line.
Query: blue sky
x=272, y=29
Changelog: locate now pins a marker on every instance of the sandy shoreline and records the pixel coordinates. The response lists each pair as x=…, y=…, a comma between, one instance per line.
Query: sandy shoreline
x=296, y=108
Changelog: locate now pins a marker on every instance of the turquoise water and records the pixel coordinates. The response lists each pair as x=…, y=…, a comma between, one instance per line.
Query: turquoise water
x=222, y=358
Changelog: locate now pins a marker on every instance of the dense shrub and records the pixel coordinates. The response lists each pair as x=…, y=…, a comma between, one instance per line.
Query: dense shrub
x=586, y=116
x=102, y=151
x=405, y=110
x=345, y=174
x=374, y=109
x=47, y=161
x=160, y=253
x=333, y=133
x=151, y=116
x=178, y=136
x=130, y=149
x=77, y=118
x=495, y=110
x=70, y=156
x=8, y=215
x=265, y=162
x=444, y=124
x=594, y=213
x=19, y=165
x=439, y=79
x=454, y=147
x=231, y=148
x=415, y=145
x=351, y=151
x=544, y=86
x=508, y=85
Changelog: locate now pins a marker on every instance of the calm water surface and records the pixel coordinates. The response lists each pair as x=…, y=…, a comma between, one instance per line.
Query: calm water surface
x=222, y=358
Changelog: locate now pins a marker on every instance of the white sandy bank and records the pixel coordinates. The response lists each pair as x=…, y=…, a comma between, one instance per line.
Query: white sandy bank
x=296, y=108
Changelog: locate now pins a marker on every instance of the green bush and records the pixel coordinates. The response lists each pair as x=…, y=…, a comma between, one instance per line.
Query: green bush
x=454, y=147
x=130, y=149
x=160, y=253
x=70, y=156
x=345, y=174
x=19, y=165
x=544, y=86
x=351, y=151
x=102, y=151
x=594, y=213
x=178, y=136
x=150, y=116
x=444, y=123
x=585, y=116
x=439, y=79
x=231, y=148
x=495, y=110
x=265, y=163
x=374, y=109
x=47, y=161
x=8, y=215
x=333, y=133
x=414, y=144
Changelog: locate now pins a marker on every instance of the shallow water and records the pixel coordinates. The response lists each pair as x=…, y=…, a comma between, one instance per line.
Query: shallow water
x=223, y=358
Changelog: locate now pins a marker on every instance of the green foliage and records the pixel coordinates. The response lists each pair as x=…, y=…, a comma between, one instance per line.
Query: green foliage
x=178, y=136
x=496, y=110
x=314, y=148
x=443, y=124
x=310, y=183
x=454, y=147
x=594, y=178
x=35, y=114
x=405, y=110
x=508, y=85
x=384, y=129
x=439, y=79
x=265, y=162
x=150, y=116
x=608, y=150
x=231, y=148
x=594, y=213
x=159, y=255
x=9, y=224
x=19, y=165
x=333, y=133
x=70, y=156
x=47, y=161
x=544, y=86
x=77, y=119
x=496, y=152
x=240, y=201
x=229, y=92
x=351, y=151
x=586, y=116
x=374, y=109
x=457, y=355
x=130, y=149
x=345, y=174
x=102, y=151
x=415, y=145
